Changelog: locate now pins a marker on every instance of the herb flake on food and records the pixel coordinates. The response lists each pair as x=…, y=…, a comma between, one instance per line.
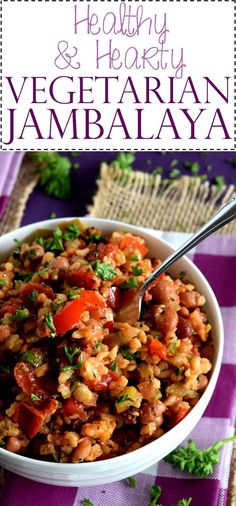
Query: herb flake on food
x=50, y=324
x=95, y=238
x=104, y=271
x=34, y=358
x=2, y=282
x=35, y=397
x=132, y=282
x=137, y=270
x=126, y=353
x=71, y=232
x=20, y=315
x=123, y=398
x=71, y=353
x=55, y=244
x=4, y=369
x=33, y=295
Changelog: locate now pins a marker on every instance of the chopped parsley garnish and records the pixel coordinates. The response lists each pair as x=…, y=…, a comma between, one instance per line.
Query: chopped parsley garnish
x=71, y=353
x=87, y=502
x=41, y=241
x=114, y=366
x=182, y=274
x=5, y=369
x=197, y=462
x=137, y=270
x=72, y=295
x=71, y=232
x=174, y=173
x=174, y=347
x=20, y=315
x=130, y=283
x=178, y=371
x=50, y=324
x=33, y=295
x=157, y=170
x=155, y=494
x=54, y=171
x=55, y=244
x=124, y=161
x=2, y=282
x=25, y=276
x=126, y=353
x=219, y=182
x=72, y=367
x=104, y=271
x=132, y=482
x=33, y=357
x=44, y=269
x=93, y=238
x=31, y=253
x=123, y=398
x=35, y=397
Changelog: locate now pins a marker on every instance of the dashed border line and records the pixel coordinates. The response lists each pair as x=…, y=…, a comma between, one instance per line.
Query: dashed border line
x=118, y=149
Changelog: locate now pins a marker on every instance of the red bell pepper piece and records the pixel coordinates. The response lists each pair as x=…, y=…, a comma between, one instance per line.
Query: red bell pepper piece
x=131, y=242
x=30, y=417
x=67, y=317
x=157, y=348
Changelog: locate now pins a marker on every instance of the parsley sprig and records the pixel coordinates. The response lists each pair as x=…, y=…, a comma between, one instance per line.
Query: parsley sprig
x=197, y=462
x=155, y=494
x=33, y=357
x=71, y=353
x=50, y=324
x=104, y=271
x=54, y=172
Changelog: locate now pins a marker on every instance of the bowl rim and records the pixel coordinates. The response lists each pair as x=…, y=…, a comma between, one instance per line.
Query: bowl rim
x=207, y=394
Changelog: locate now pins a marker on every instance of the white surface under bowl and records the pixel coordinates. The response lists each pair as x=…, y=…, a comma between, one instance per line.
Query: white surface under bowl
x=117, y=468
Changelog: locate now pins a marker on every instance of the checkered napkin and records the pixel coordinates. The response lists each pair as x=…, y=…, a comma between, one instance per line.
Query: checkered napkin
x=216, y=257
x=9, y=168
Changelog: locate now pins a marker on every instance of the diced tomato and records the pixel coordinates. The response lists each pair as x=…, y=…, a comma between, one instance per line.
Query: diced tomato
x=28, y=381
x=67, y=317
x=39, y=287
x=10, y=306
x=109, y=250
x=102, y=385
x=157, y=348
x=178, y=413
x=30, y=416
x=72, y=407
x=84, y=279
x=131, y=242
x=113, y=298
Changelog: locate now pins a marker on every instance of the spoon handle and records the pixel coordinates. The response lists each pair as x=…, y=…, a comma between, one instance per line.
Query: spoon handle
x=223, y=216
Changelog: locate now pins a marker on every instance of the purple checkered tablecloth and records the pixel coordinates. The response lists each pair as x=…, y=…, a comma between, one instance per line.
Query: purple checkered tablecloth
x=9, y=168
x=216, y=257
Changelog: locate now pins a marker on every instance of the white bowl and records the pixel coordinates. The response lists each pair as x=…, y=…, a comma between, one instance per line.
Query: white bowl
x=117, y=468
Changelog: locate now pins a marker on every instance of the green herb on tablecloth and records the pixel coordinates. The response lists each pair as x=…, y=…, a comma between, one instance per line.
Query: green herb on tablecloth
x=173, y=163
x=54, y=173
x=131, y=482
x=219, y=182
x=52, y=216
x=197, y=462
x=155, y=494
x=87, y=502
x=124, y=161
x=157, y=170
x=174, y=173
x=194, y=167
x=184, y=502
x=231, y=161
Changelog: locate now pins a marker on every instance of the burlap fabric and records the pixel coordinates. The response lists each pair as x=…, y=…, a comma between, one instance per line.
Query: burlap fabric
x=146, y=200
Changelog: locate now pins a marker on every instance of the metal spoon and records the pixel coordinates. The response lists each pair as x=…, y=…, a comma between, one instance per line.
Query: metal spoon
x=130, y=309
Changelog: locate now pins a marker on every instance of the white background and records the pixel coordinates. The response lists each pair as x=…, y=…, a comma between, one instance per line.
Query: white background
x=31, y=32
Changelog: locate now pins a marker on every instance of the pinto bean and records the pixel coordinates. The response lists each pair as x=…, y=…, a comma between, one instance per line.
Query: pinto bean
x=164, y=292
x=183, y=329
x=202, y=382
x=58, y=267
x=183, y=311
x=81, y=451
x=13, y=444
x=167, y=319
x=152, y=413
x=191, y=299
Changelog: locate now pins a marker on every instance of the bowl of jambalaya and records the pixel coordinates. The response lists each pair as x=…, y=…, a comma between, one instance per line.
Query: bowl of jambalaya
x=86, y=399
